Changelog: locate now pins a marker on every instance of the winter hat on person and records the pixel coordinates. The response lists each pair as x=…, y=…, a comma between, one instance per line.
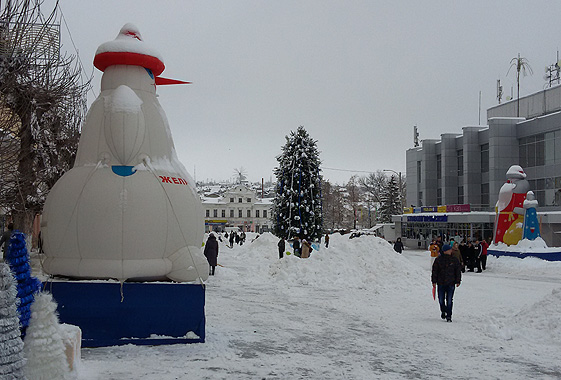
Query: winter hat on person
x=446, y=247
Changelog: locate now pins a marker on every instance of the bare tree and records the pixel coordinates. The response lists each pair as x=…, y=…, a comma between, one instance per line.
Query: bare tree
x=42, y=105
x=353, y=198
x=373, y=185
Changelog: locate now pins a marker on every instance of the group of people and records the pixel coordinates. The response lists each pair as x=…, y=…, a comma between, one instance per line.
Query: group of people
x=302, y=247
x=235, y=237
x=448, y=262
x=472, y=254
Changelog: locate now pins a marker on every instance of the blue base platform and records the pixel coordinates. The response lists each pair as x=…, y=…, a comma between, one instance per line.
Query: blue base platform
x=549, y=256
x=143, y=314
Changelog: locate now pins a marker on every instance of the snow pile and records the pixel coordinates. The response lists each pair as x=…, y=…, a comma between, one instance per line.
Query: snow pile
x=529, y=266
x=525, y=246
x=539, y=322
x=367, y=262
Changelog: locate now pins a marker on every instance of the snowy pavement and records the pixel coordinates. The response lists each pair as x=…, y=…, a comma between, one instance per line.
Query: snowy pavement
x=357, y=310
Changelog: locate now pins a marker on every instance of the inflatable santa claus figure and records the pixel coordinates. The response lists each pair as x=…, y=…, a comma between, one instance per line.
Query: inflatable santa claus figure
x=509, y=219
x=128, y=208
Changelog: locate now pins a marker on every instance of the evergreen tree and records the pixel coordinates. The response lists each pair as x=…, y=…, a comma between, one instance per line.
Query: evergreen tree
x=390, y=201
x=297, y=207
x=44, y=348
x=11, y=345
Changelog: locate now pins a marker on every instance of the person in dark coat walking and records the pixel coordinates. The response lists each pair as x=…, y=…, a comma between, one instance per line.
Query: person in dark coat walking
x=446, y=273
x=5, y=240
x=211, y=252
x=398, y=246
x=282, y=246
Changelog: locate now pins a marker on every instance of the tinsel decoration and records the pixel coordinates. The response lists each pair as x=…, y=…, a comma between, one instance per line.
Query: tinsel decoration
x=27, y=286
x=11, y=346
x=44, y=347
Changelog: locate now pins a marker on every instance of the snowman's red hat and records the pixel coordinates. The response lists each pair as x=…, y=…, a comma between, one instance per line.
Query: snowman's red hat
x=128, y=49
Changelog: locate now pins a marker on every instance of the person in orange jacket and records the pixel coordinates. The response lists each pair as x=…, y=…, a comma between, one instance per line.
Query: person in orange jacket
x=434, y=251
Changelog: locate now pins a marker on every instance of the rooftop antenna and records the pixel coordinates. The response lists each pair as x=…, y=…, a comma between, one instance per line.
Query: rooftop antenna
x=415, y=136
x=552, y=73
x=499, y=91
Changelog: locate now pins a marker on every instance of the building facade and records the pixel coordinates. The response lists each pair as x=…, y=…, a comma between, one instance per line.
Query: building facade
x=238, y=207
x=470, y=168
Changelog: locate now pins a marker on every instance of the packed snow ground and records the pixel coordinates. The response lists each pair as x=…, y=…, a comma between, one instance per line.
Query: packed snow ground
x=357, y=310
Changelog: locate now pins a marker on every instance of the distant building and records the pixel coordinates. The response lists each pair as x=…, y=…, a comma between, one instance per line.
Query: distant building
x=240, y=207
x=470, y=168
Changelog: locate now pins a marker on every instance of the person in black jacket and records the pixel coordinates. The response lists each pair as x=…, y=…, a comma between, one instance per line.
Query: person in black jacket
x=211, y=252
x=398, y=246
x=282, y=246
x=5, y=240
x=446, y=273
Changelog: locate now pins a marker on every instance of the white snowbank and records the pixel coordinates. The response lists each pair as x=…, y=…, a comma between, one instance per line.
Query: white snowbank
x=525, y=246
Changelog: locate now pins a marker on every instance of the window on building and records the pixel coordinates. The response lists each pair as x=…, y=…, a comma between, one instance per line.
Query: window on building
x=538, y=187
x=460, y=194
x=532, y=150
x=248, y=200
x=484, y=158
x=231, y=200
x=439, y=166
x=249, y=213
x=420, y=199
x=484, y=195
x=223, y=213
x=207, y=213
x=257, y=213
x=215, y=213
x=460, y=159
x=240, y=215
x=439, y=196
x=418, y=171
x=264, y=213
x=231, y=213
x=240, y=200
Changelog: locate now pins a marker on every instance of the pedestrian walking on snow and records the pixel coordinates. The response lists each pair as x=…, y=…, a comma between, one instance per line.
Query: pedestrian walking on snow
x=282, y=246
x=211, y=252
x=326, y=240
x=446, y=274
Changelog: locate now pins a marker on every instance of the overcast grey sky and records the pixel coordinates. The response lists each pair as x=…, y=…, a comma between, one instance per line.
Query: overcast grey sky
x=358, y=75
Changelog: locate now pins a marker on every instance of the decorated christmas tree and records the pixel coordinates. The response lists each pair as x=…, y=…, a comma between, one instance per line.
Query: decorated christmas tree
x=11, y=345
x=44, y=347
x=297, y=207
x=27, y=286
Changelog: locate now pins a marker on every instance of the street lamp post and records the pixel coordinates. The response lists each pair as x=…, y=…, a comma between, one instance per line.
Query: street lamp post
x=400, y=186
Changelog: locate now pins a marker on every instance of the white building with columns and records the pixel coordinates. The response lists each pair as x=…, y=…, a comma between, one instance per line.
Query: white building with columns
x=238, y=207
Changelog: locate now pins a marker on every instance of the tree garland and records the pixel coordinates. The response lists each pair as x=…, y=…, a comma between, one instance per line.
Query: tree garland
x=27, y=286
x=11, y=345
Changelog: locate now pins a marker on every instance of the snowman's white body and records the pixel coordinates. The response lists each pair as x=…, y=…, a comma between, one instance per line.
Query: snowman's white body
x=128, y=208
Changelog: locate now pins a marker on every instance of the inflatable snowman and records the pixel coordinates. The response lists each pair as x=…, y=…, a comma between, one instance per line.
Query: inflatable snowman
x=509, y=219
x=128, y=208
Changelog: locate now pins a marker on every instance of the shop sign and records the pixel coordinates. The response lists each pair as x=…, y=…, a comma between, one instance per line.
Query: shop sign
x=428, y=218
x=458, y=208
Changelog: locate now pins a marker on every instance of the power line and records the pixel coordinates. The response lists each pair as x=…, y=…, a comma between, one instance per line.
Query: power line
x=348, y=170
x=82, y=70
